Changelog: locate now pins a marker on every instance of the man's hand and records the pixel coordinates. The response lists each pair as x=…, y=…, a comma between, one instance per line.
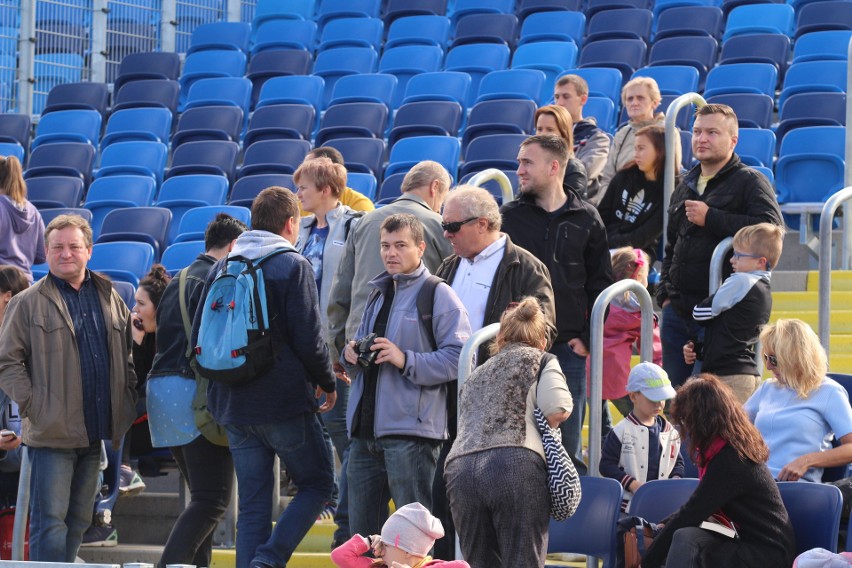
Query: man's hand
x=696, y=212
x=330, y=399
x=689, y=353
x=578, y=347
x=10, y=442
x=388, y=353
x=341, y=373
x=349, y=353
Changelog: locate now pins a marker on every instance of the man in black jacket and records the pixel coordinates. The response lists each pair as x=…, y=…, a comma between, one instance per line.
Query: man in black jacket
x=568, y=236
x=716, y=198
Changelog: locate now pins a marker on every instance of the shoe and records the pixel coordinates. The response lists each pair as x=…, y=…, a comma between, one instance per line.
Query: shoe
x=130, y=482
x=327, y=515
x=97, y=536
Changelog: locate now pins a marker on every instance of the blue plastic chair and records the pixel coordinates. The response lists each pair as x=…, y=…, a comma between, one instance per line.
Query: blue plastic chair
x=194, y=222
x=73, y=159
x=222, y=91
x=550, y=57
x=276, y=63
x=248, y=187
x=352, y=32
x=425, y=118
x=213, y=157
x=210, y=64
x=477, y=60
x=659, y=498
x=407, y=61
x=55, y=191
x=178, y=256
x=822, y=46
x=769, y=176
x=591, y=530
x=759, y=78
x=161, y=93
x=352, y=120
x=266, y=10
x=602, y=81
x=453, y=86
x=369, y=88
x=595, y=6
x=811, y=109
x=756, y=146
x=462, y=8
x=134, y=158
x=179, y=194
x=672, y=79
x=333, y=64
x=117, y=192
x=127, y=292
x=824, y=16
x=361, y=154
x=813, y=77
x=528, y=8
x=364, y=184
x=690, y=21
x=513, y=84
x=68, y=126
x=391, y=189
x=274, y=157
x=208, y=123
x=125, y=261
x=624, y=23
x=335, y=9
x=419, y=30
x=276, y=122
x=697, y=51
x=396, y=9
x=498, y=151
x=626, y=55
x=232, y=36
x=49, y=215
x=285, y=34
x=486, y=28
x=77, y=96
x=139, y=224
x=500, y=116
x=408, y=152
x=753, y=110
x=138, y=124
x=604, y=112
x=553, y=26
x=814, y=510
x=52, y=70
x=757, y=48
x=303, y=90
x=661, y=6
x=760, y=18
x=12, y=149
x=15, y=128
x=810, y=165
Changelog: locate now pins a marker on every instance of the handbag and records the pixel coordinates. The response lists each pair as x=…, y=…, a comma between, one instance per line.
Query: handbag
x=635, y=535
x=562, y=478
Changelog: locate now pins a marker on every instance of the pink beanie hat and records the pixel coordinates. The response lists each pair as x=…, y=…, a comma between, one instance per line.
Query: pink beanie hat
x=412, y=529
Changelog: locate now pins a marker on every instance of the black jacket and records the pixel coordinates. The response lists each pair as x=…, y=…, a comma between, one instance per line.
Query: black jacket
x=571, y=242
x=632, y=211
x=738, y=196
x=575, y=177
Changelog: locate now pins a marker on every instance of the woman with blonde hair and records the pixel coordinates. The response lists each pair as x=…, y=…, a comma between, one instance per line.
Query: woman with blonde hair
x=800, y=410
x=496, y=474
x=555, y=120
x=21, y=225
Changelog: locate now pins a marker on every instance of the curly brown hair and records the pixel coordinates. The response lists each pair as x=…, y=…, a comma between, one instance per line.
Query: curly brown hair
x=707, y=409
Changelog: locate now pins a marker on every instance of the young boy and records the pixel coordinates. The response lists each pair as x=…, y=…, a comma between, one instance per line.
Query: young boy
x=734, y=315
x=643, y=446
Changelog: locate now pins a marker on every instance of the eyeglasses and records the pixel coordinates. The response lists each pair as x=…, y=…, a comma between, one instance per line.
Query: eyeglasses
x=771, y=359
x=739, y=255
x=456, y=226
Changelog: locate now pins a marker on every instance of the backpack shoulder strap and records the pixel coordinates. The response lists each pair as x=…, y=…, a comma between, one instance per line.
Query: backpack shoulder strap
x=545, y=359
x=351, y=221
x=426, y=305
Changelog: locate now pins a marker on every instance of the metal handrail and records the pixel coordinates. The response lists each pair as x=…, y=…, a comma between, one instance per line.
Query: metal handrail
x=717, y=262
x=22, y=506
x=826, y=220
x=498, y=176
x=671, y=167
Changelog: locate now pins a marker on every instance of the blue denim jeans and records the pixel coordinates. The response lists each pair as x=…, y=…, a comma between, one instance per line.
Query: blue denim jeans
x=574, y=369
x=401, y=469
x=675, y=332
x=63, y=488
x=299, y=443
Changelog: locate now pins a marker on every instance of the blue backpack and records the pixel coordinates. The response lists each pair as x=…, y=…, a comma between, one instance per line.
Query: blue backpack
x=234, y=341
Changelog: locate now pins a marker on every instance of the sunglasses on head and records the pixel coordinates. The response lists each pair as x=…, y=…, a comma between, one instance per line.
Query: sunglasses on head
x=771, y=359
x=456, y=226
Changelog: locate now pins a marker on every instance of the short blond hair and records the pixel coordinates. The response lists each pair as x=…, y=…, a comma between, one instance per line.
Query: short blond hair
x=324, y=173
x=647, y=82
x=802, y=362
x=763, y=239
x=64, y=221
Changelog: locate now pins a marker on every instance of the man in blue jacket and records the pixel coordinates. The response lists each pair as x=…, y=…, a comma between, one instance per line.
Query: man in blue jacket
x=276, y=413
x=397, y=415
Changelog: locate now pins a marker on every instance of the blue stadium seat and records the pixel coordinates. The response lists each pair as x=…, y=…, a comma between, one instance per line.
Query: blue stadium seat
x=353, y=120
x=550, y=57
x=181, y=193
x=276, y=63
x=699, y=52
x=602, y=81
x=501, y=116
x=498, y=151
x=233, y=36
x=759, y=78
x=591, y=530
x=352, y=32
x=396, y=9
x=49, y=215
x=672, y=79
x=15, y=128
x=623, y=23
x=332, y=64
x=335, y=9
x=626, y=55
x=134, y=158
x=766, y=172
x=813, y=77
x=220, y=91
x=811, y=109
x=136, y=124
x=364, y=184
x=361, y=154
x=274, y=157
x=73, y=159
x=659, y=498
x=127, y=292
x=822, y=46
x=604, y=112
x=12, y=149
x=162, y=93
x=528, y=8
x=486, y=28
x=296, y=89
x=753, y=110
x=214, y=157
x=824, y=16
x=55, y=191
x=425, y=118
x=285, y=34
x=247, y=187
x=553, y=26
x=391, y=188
x=53, y=70
x=595, y=6
x=364, y=88
x=419, y=30
x=690, y=21
x=406, y=61
x=462, y=8
x=814, y=510
x=409, y=151
x=661, y=6
x=178, y=256
x=122, y=261
x=477, y=59
x=756, y=146
x=266, y=10
x=451, y=86
x=276, y=122
x=208, y=123
x=810, y=164
x=513, y=84
x=195, y=221
x=139, y=224
x=209, y=64
x=117, y=192
x=760, y=19
x=68, y=126
x=757, y=48
x=78, y=96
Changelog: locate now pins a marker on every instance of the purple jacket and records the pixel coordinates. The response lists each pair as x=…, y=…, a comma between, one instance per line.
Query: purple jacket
x=21, y=236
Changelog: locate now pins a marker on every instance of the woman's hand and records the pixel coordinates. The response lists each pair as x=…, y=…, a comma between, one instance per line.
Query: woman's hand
x=794, y=470
x=557, y=418
x=137, y=330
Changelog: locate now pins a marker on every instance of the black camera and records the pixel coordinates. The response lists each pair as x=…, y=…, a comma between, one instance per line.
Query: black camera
x=362, y=347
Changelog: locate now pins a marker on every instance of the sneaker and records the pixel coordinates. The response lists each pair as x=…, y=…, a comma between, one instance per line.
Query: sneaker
x=130, y=482
x=327, y=515
x=97, y=536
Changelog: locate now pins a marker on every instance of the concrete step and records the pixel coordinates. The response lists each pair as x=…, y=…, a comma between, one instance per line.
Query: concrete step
x=841, y=320
x=794, y=301
x=146, y=518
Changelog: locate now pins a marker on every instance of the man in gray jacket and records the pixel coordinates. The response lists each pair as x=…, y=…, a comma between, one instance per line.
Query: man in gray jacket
x=397, y=416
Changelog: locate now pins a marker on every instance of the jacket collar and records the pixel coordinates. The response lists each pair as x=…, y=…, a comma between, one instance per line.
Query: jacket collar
x=383, y=280
x=335, y=214
x=691, y=178
x=574, y=203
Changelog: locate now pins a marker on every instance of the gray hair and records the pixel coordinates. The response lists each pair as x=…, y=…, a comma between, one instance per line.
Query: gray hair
x=424, y=173
x=476, y=202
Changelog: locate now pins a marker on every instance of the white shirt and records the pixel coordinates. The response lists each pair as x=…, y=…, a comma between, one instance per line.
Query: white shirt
x=473, y=280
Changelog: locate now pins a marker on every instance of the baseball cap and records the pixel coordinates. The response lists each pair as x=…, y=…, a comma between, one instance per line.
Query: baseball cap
x=651, y=380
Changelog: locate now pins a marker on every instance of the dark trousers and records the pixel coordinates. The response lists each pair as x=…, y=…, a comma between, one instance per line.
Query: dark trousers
x=690, y=545
x=209, y=471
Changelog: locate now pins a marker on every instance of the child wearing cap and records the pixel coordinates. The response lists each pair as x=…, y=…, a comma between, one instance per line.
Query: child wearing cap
x=643, y=446
x=407, y=537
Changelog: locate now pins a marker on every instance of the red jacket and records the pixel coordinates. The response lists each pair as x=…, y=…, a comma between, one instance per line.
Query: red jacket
x=351, y=555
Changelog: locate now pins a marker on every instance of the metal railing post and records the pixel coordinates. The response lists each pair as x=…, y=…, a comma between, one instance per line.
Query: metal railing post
x=846, y=259
x=499, y=177
x=671, y=166
x=26, y=58
x=22, y=506
x=826, y=220
x=717, y=262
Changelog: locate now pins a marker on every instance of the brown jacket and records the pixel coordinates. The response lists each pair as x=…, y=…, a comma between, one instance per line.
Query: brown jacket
x=40, y=365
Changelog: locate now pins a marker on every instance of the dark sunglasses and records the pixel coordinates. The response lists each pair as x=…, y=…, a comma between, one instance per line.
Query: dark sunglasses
x=771, y=359
x=456, y=226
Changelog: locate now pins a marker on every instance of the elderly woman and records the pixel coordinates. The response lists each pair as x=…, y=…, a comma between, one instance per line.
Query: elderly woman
x=800, y=410
x=555, y=120
x=496, y=474
x=641, y=97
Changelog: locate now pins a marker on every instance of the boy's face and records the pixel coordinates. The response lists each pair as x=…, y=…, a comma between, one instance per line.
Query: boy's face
x=744, y=261
x=645, y=408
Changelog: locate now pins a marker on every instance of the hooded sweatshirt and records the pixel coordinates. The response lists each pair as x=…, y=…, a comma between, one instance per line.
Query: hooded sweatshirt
x=21, y=235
